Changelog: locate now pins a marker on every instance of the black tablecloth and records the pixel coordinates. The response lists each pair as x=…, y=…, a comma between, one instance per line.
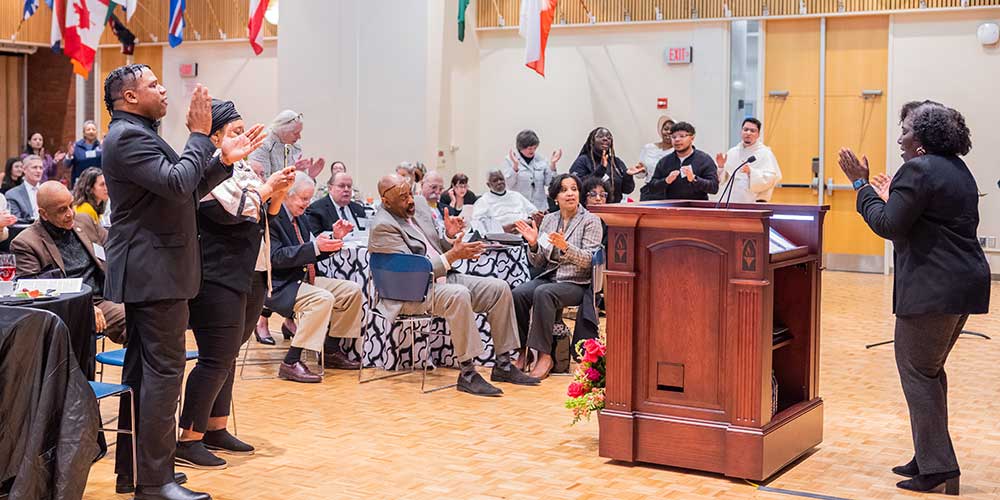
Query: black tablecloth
x=76, y=310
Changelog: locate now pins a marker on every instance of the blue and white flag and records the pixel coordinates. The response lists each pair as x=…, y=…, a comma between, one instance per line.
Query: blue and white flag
x=176, y=33
x=30, y=7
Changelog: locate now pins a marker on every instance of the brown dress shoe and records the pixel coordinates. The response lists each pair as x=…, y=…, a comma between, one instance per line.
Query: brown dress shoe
x=338, y=361
x=298, y=372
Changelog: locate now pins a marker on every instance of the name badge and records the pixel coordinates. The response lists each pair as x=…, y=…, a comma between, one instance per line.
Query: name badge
x=91, y=154
x=99, y=252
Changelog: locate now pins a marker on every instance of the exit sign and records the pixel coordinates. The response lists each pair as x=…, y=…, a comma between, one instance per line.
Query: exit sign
x=678, y=55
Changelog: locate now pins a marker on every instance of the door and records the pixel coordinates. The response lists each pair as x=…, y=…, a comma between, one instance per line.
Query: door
x=857, y=65
x=791, y=105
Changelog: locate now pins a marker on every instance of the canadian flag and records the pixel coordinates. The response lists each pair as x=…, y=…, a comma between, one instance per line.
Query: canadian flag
x=77, y=25
x=536, y=22
x=256, y=24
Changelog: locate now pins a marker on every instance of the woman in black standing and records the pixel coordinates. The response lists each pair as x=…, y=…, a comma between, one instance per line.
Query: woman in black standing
x=930, y=212
x=597, y=159
x=231, y=221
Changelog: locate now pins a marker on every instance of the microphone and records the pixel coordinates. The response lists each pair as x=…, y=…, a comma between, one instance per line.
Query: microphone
x=729, y=183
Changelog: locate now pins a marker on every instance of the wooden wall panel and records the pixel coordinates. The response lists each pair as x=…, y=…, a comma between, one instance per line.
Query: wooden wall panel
x=206, y=17
x=613, y=11
x=11, y=105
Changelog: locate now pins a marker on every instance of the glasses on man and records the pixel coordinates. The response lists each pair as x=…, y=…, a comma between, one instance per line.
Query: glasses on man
x=680, y=136
x=595, y=194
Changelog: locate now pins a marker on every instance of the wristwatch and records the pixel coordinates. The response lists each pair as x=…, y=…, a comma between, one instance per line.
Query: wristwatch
x=859, y=183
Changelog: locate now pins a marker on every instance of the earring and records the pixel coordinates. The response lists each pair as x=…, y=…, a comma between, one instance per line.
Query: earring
x=921, y=151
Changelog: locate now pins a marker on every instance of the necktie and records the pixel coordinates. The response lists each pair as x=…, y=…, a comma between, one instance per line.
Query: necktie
x=310, y=267
x=343, y=215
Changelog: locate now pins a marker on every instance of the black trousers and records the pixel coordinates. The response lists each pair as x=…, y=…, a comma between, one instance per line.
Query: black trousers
x=222, y=320
x=922, y=344
x=536, y=304
x=154, y=367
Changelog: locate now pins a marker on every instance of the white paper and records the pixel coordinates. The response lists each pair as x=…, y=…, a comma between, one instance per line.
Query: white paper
x=6, y=288
x=91, y=154
x=543, y=241
x=68, y=285
x=99, y=252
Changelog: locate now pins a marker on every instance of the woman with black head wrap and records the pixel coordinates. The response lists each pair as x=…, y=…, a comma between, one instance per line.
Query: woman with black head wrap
x=232, y=220
x=597, y=159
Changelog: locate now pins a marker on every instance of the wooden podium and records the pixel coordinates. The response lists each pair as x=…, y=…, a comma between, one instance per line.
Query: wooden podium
x=703, y=306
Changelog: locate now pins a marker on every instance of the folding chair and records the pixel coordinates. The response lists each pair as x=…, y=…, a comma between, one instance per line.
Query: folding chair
x=101, y=391
x=403, y=277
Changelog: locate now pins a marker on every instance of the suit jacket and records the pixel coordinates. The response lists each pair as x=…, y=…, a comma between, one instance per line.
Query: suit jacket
x=35, y=251
x=322, y=214
x=392, y=234
x=931, y=217
x=19, y=204
x=152, y=248
x=289, y=261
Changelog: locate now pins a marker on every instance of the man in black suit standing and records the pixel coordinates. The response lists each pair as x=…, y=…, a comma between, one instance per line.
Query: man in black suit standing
x=326, y=211
x=154, y=261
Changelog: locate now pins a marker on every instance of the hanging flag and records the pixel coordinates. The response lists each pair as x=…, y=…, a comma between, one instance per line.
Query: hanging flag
x=127, y=5
x=462, y=6
x=176, y=32
x=30, y=6
x=536, y=21
x=256, y=25
x=58, y=24
x=82, y=26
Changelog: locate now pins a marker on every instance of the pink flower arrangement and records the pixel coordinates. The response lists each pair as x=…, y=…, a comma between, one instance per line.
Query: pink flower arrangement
x=586, y=392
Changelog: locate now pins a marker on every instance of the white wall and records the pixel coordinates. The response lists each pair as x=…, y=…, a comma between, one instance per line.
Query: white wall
x=608, y=77
x=359, y=73
x=230, y=71
x=938, y=57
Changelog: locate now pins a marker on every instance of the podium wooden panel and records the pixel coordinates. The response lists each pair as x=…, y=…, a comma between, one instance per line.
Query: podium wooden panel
x=693, y=294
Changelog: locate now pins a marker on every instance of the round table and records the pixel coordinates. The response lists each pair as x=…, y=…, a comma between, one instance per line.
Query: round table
x=76, y=310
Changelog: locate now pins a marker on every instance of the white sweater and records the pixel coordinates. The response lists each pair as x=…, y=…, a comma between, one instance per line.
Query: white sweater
x=764, y=173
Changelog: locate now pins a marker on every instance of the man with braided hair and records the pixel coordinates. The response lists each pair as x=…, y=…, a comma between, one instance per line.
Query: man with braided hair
x=154, y=260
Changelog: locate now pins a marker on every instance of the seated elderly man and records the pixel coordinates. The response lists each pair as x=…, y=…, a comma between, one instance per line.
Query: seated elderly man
x=326, y=211
x=326, y=309
x=500, y=208
x=403, y=227
x=71, y=244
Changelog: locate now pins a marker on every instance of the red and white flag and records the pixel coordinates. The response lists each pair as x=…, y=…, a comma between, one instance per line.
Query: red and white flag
x=76, y=29
x=256, y=25
x=536, y=22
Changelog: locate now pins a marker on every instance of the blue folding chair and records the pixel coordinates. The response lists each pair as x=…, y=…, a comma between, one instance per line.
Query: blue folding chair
x=408, y=278
x=101, y=391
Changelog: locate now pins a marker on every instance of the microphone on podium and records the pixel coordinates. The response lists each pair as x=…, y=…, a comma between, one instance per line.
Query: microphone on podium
x=729, y=184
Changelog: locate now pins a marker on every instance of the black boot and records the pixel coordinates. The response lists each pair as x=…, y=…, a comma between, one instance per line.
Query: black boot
x=929, y=482
x=169, y=491
x=908, y=470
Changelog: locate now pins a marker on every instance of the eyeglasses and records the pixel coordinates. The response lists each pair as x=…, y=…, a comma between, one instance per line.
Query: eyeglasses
x=595, y=194
x=680, y=136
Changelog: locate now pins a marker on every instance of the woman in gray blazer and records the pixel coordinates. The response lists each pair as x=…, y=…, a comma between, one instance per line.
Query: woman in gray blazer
x=564, y=246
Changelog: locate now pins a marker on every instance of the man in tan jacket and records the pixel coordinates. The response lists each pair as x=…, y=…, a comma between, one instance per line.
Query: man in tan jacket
x=73, y=244
x=403, y=226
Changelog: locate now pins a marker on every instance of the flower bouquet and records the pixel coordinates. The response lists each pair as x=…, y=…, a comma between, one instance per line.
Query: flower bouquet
x=586, y=393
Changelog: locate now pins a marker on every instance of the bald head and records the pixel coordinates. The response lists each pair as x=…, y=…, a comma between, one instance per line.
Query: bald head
x=396, y=196
x=55, y=204
x=432, y=186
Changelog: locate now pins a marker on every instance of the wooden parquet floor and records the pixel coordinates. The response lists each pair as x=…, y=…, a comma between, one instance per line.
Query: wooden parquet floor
x=386, y=440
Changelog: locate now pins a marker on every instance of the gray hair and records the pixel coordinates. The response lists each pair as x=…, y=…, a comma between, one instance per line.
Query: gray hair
x=302, y=181
x=26, y=159
x=405, y=165
x=285, y=120
x=89, y=122
x=525, y=139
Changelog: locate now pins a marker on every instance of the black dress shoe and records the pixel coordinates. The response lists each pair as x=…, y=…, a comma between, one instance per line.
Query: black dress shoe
x=286, y=332
x=169, y=491
x=124, y=483
x=338, y=361
x=512, y=376
x=930, y=482
x=477, y=386
x=908, y=470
